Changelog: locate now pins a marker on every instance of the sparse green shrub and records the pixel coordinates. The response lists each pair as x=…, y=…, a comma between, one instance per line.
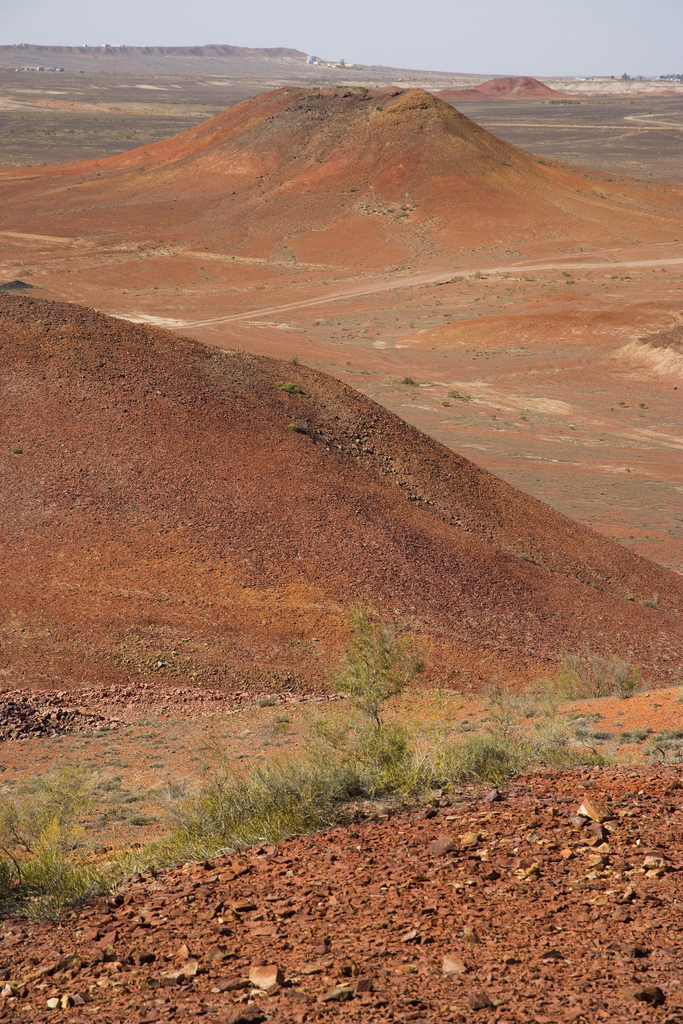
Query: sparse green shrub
x=636, y=735
x=298, y=428
x=288, y=387
x=651, y=602
x=506, y=710
x=17, y=451
x=409, y=380
x=488, y=759
x=667, y=742
x=597, y=675
x=460, y=398
x=378, y=665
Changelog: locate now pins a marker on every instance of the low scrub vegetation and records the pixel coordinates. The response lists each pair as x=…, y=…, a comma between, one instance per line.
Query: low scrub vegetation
x=45, y=864
x=359, y=756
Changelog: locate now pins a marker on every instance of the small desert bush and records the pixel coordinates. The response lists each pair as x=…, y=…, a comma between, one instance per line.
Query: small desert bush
x=378, y=664
x=267, y=804
x=289, y=387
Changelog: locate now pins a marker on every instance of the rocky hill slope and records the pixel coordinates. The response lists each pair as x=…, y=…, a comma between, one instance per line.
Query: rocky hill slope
x=167, y=506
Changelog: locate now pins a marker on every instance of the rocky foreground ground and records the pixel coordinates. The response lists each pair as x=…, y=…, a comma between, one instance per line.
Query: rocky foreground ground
x=555, y=899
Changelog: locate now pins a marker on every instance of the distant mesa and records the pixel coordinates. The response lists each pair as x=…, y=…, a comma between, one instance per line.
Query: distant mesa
x=512, y=88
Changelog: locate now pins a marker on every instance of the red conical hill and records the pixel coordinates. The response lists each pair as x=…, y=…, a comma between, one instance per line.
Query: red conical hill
x=348, y=177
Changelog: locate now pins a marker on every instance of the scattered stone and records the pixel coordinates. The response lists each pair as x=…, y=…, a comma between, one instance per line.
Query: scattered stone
x=655, y=862
x=53, y=1003
x=478, y=1000
x=215, y=953
x=453, y=965
x=27, y=719
x=470, y=839
x=172, y=978
x=595, y=808
x=493, y=796
x=411, y=936
x=364, y=986
x=183, y=953
x=339, y=994
x=443, y=845
x=470, y=936
x=231, y=984
x=598, y=830
x=265, y=977
x=650, y=994
x=635, y=951
x=108, y=939
x=510, y=959
x=249, y=1014
x=190, y=969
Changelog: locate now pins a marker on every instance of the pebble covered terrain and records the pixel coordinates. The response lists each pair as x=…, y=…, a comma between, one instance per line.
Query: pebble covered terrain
x=555, y=899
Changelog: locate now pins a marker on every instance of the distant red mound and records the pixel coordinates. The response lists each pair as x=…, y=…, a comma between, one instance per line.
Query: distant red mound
x=501, y=89
x=169, y=509
x=363, y=179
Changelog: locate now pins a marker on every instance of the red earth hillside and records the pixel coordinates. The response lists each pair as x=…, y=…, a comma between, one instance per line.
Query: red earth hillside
x=510, y=88
x=353, y=177
x=167, y=507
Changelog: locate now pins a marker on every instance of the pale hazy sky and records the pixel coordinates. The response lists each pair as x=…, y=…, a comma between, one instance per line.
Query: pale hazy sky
x=534, y=37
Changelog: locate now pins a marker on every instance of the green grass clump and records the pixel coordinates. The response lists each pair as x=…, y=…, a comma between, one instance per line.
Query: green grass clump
x=45, y=866
x=288, y=387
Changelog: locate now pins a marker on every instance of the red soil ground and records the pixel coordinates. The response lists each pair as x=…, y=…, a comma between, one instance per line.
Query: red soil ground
x=507, y=911
x=161, y=500
x=502, y=89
